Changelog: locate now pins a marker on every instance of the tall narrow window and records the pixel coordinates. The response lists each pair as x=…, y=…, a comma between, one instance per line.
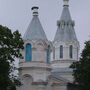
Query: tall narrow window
x=54, y=53
x=77, y=53
x=28, y=55
x=48, y=54
x=71, y=51
x=61, y=51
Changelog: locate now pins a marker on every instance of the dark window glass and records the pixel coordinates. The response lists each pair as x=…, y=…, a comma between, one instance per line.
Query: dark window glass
x=71, y=51
x=61, y=51
x=48, y=54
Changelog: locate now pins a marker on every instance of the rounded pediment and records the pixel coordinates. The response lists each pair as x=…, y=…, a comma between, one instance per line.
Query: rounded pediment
x=27, y=79
x=27, y=76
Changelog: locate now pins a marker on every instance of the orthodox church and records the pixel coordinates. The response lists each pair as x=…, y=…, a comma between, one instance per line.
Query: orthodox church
x=45, y=64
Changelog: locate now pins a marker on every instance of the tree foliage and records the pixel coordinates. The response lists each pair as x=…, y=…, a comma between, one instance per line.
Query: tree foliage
x=81, y=68
x=10, y=45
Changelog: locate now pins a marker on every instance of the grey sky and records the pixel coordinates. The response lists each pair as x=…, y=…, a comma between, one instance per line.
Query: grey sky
x=17, y=14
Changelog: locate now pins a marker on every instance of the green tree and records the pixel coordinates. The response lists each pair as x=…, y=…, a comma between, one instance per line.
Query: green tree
x=81, y=68
x=10, y=45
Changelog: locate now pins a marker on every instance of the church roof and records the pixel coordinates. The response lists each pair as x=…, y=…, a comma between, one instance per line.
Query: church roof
x=57, y=76
x=58, y=72
x=35, y=30
x=65, y=30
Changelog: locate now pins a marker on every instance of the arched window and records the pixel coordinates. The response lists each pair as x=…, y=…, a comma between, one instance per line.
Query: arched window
x=71, y=51
x=48, y=54
x=28, y=56
x=61, y=51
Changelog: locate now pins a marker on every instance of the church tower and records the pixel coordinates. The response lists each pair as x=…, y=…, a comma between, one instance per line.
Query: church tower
x=37, y=70
x=66, y=45
x=35, y=67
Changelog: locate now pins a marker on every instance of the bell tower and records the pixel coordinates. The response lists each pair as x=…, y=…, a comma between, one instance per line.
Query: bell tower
x=35, y=67
x=66, y=45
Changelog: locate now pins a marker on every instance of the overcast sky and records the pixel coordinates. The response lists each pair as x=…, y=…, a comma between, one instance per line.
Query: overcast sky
x=17, y=14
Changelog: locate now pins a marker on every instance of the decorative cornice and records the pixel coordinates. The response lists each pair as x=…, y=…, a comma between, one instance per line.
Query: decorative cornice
x=59, y=84
x=34, y=65
x=40, y=83
x=63, y=61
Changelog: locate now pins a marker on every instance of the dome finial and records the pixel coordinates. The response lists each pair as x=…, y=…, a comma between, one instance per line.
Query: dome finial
x=66, y=2
x=35, y=10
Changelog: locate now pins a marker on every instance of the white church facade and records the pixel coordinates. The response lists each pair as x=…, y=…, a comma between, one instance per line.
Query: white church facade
x=45, y=64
